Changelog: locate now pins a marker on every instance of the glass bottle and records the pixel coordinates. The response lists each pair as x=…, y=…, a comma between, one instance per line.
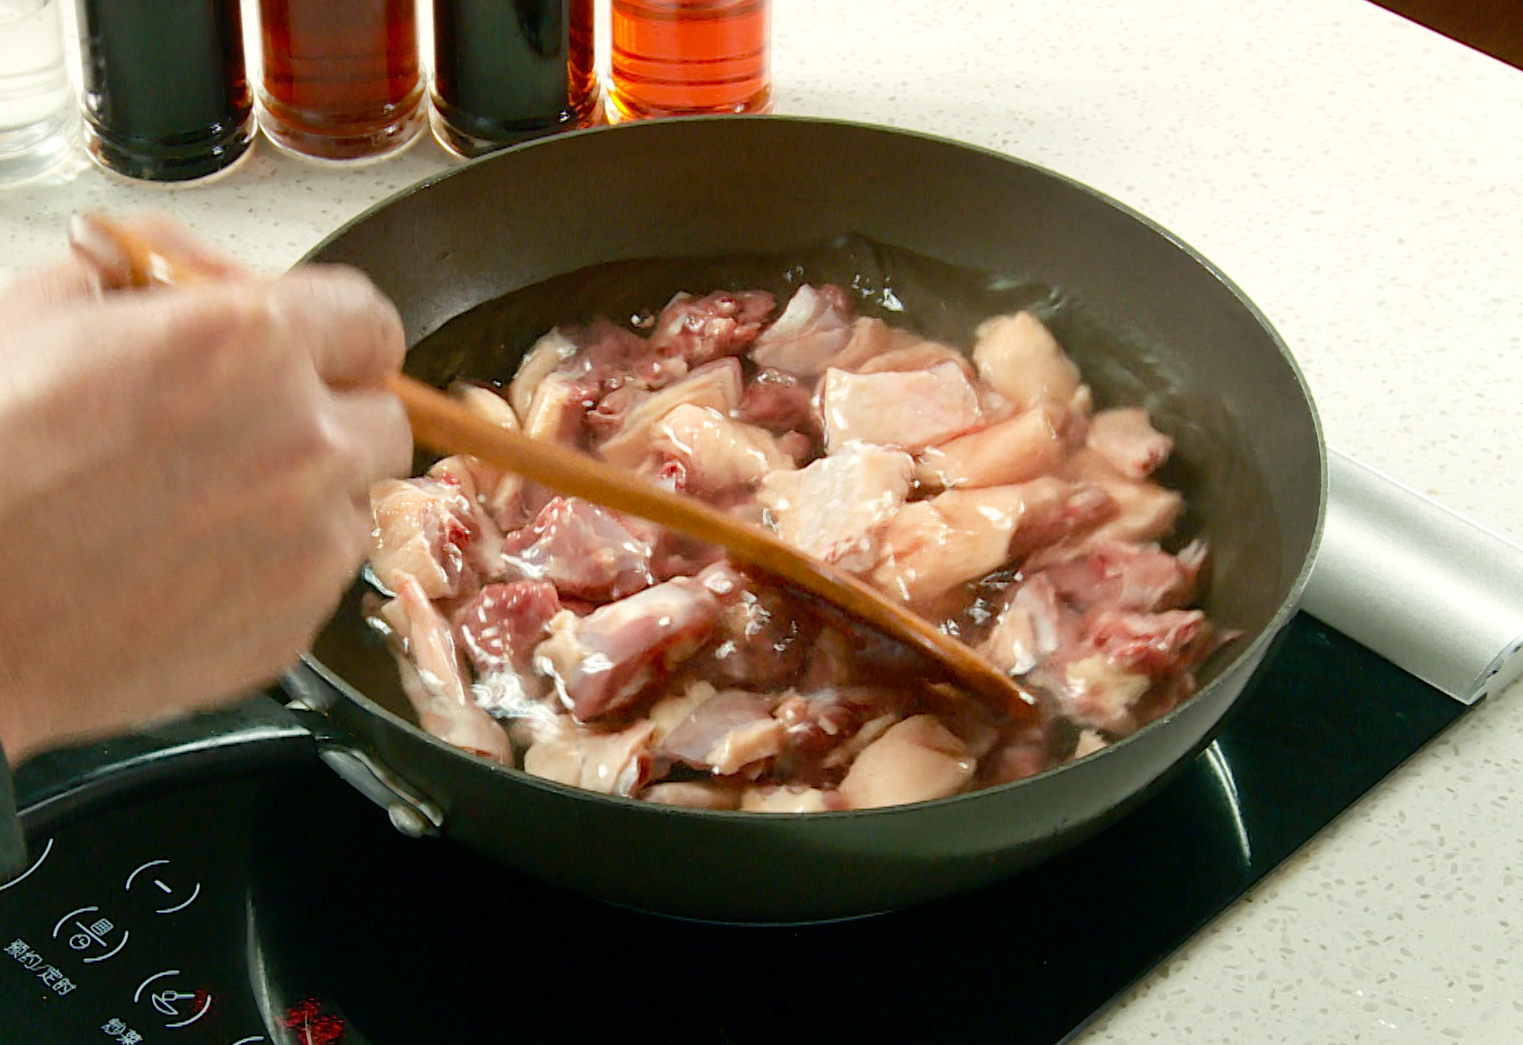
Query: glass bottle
x=683, y=57
x=38, y=116
x=340, y=78
x=505, y=72
x=166, y=94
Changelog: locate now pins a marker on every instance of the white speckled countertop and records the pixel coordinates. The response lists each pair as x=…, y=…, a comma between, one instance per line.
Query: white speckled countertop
x=1362, y=179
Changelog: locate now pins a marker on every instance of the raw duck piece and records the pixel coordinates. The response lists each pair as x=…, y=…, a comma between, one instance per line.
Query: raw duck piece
x=547, y=355
x=723, y=323
x=433, y=676
x=910, y=410
x=914, y=761
x=423, y=529
x=483, y=550
x=837, y=507
x=496, y=490
x=725, y=733
x=813, y=329
x=586, y=551
x=558, y=411
x=1023, y=447
x=790, y=800
x=715, y=385
x=1129, y=442
x=693, y=794
x=608, y=660
x=1123, y=576
x=501, y=624
x=717, y=454
x=779, y=402
x=1024, y=362
x=610, y=763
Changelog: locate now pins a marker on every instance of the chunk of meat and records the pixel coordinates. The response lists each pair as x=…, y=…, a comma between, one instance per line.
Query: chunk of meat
x=811, y=331
x=497, y=490
x=433, y=676
x=837, y=507
x=871, y=338
x=547, y=354
x=423, y=529
x=1024, y=447
x=1123, y=576
x=916, y=760
x=586, y=551
x=611, y=763
x=790, y=800
x=1152, y=643
x=726, y=733
x=1128, y=441
x=723, y=323
x=483, y=548
x=779, y=402
x=1023, y=361
x=932, y=546
x=917, y=355
x=716, y=453
x=715, y=385
x=502, y=623
x=1034, y=624
x=910, y=410
x=614, y=656
x=693, y=794
x=1096, y=692
x=557, y=412
x=761, y=640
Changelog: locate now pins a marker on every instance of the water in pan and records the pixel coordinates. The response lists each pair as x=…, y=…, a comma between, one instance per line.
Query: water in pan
x=1213, y=464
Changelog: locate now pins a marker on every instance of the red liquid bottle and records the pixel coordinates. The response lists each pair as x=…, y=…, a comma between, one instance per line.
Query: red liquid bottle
x=341, y=78
x=683, y=57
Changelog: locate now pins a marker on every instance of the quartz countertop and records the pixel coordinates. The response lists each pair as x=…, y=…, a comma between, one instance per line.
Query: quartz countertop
x=1361, y=178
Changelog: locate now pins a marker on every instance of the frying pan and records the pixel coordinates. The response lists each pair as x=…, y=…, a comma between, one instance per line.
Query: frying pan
x=706, y=202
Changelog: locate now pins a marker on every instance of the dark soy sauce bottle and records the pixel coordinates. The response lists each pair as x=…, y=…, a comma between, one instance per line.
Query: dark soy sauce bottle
x=166, y=94
x=509, y=70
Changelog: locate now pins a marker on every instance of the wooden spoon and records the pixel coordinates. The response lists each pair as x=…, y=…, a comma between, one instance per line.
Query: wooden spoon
x=442, y=424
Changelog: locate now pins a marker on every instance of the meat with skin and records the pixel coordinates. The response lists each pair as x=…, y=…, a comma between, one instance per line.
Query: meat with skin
x=932, y=546
x=548, y=353
x=693, y=794
x=610, y=763
x=717, y=454
x=433, y=676
x=916, y=760
x=502, y=623
x=917, y=355
x=483, y=549
x=909, y=410
x=837, y=507
x=557, y=412
x=1023, y=447
x=1124, y=576
x=1147, y=510
x=811, y=331
x=497, y=490
x=423, y=530
x=586, y=551
x=1021, y=359
x=720, y=324
x=871, y=338
x=724, y=734
x=1129, y=442
x=606, y=661
x=790, y=800
x=716, y=385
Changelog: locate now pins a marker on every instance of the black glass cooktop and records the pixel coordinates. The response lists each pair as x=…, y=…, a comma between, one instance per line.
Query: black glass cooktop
x=273, y=904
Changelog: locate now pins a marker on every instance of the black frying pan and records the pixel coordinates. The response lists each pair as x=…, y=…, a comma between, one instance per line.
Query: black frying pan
x=735, y=201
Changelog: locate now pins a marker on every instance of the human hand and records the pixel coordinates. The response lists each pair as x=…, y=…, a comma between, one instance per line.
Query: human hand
x=185, y=495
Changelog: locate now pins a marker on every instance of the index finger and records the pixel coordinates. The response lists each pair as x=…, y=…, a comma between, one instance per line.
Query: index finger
x=352, y=332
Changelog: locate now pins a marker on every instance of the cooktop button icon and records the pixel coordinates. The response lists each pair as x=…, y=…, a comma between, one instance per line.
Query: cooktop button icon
x=181, y=1008
x=174, y=897
x=95, y=937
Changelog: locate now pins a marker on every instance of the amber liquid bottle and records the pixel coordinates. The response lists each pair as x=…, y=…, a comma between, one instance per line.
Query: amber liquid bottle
x=683, y=57
x=166, y=94
x=506, y=72
x=341, y=78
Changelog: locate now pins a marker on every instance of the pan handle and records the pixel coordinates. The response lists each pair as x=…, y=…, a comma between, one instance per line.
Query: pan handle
x=254, y=734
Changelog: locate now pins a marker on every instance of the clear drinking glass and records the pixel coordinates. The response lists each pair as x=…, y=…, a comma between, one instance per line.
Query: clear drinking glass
x=38, y=119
